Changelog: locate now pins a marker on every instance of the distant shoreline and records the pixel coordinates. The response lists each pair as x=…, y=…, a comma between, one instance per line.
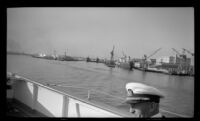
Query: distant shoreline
x=17, y=53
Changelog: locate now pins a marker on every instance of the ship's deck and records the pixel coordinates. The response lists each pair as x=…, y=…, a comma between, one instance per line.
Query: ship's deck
x=18, y=109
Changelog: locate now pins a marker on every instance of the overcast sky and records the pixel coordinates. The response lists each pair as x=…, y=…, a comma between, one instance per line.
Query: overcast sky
x=93, y=31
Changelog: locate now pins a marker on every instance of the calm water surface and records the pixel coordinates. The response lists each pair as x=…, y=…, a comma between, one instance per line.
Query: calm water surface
x=178, y=90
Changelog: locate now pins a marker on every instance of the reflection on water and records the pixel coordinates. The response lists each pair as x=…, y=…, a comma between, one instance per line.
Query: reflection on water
x=178, y=90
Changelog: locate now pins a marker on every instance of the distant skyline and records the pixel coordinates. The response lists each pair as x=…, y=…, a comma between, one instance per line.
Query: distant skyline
x=92, y=31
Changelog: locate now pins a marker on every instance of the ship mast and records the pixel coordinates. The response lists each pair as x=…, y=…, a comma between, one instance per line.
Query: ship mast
x=112, y=54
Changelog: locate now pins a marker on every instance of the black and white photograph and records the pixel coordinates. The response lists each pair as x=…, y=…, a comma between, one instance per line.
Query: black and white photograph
x=84, y=62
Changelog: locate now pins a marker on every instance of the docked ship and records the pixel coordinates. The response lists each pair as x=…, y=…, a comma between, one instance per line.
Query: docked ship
x=40, y=55
x=111, y=62
x=125, y=63
x=88, y=59
x=66, y=58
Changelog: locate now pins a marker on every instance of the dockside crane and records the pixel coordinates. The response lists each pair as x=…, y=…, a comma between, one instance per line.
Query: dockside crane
x=111, y=62
x=123, y=54
x=146, y=57
x=191, y=69
x=112, y=53
x=176, y=51
x=154, y=53
x=112, y=57
x=183, y=56
x=188, y=51
x=181, y=61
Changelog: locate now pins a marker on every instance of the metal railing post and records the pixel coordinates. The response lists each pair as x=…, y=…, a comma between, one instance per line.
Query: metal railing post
x=35, y=96
x=88, y=95
x=65, y=106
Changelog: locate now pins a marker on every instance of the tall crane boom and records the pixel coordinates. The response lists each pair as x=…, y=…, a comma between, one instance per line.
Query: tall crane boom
x=188, y=51
x=123, y=54
x=154, y=53
x=112, y=52
x=176, y=51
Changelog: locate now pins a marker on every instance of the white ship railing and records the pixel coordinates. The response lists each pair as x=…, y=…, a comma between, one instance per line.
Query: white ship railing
x=54, y=103
x=110, y=111
x=102, y=92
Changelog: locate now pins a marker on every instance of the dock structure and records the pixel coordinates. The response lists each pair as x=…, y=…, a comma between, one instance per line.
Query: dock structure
x=178, y=65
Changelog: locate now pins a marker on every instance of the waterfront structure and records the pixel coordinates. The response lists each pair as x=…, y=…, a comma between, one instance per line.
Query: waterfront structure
x=153, y=61
x=180, y=60
x=96, y=60
x=178, y=65
x=137, y=62
x=125, y=62
x=165, y=59
x=40, y=55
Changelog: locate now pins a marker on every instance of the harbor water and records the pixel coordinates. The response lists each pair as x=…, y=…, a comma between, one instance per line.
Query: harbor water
x=108, y=84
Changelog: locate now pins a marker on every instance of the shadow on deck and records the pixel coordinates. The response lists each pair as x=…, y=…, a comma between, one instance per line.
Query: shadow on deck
x=17, y=109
